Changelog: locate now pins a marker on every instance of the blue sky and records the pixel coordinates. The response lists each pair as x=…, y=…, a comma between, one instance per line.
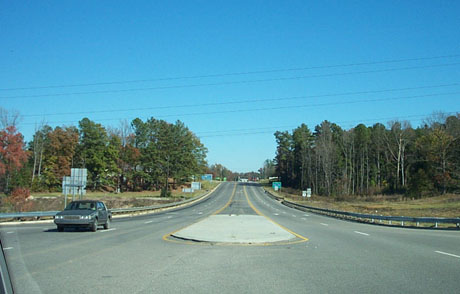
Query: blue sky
x=233, y=71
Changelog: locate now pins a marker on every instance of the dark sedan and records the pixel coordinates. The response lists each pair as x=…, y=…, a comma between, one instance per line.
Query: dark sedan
x=84, y=214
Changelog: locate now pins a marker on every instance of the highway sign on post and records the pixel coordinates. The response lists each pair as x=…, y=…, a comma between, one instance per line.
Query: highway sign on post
x=308, y=192
x=276, y=186
x=195, y=186
x=206, y=177
x=304, y=194
x=75, y=184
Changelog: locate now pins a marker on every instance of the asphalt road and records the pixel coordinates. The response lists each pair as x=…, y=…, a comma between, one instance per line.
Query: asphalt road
x=139, y=255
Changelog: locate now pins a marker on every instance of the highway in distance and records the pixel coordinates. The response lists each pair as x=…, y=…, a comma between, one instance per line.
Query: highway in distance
x=238, y=240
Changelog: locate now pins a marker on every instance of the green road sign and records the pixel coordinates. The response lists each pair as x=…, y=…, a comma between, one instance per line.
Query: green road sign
x=276, y=186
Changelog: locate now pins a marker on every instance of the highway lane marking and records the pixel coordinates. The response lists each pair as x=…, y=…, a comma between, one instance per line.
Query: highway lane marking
x=361, y=233
x=170, y=216
x=303, y=218
x=9, y=232
x=200, y=212
x=303, y=239
x=148, y=222
x=7, y=248
x=166, y=236
x=276, y=214
x=112, y=229
x=449, y=254
x=294, y=215
x=228, y=203
x=306, y=215
x=324, y=224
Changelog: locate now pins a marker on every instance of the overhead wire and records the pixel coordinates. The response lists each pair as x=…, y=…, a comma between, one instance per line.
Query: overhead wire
x=276, y=128
x=227, y=83
x=284, y=107
x=229, y=74
x=245, y=101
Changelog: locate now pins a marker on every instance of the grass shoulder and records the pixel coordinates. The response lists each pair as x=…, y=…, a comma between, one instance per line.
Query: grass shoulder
x=395, y=205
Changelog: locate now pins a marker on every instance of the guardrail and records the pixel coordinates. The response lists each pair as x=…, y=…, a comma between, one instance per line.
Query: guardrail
x=370, y=218
x=42, y=214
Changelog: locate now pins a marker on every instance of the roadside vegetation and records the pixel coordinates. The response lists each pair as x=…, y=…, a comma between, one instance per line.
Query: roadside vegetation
x=447, y=205
x=363, y=161
x=45, y=201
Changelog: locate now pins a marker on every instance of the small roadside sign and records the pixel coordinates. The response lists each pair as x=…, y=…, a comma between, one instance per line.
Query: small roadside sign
x=276, y=186
x=308, y=192
x=304, y=194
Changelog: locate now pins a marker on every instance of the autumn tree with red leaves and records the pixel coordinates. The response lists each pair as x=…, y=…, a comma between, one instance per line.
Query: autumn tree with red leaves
x=12, y=154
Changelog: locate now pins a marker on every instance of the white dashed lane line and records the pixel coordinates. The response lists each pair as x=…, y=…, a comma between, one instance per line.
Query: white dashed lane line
x=7, y=248
x=276, y=214
x=324, y=224
x=303, y=218
x=9, y=232
x=148, y=222
x=448, y=254
x=112, y=229
x=361, y=233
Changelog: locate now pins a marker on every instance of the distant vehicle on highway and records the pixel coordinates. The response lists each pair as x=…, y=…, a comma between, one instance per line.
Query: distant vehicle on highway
x=84, y=214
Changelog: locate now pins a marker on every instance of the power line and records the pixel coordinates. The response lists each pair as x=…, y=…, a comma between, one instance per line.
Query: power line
x=256, y=130
x=229, y=74
x=246, y=101
x=285, y=107
x=228, y=83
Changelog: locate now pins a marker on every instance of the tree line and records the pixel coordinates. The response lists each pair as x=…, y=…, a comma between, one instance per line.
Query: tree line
x=366, y=160
x=141, y=155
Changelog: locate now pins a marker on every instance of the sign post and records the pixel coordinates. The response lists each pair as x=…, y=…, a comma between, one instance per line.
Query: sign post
x=74, y=184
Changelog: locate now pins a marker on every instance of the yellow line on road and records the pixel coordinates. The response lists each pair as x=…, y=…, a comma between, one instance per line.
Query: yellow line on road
x=261, y=214
x=229, y=201
x=166, y=237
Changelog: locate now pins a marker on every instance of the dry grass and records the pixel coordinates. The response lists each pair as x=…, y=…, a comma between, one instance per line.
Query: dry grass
x=55, y=201
x=440, y=206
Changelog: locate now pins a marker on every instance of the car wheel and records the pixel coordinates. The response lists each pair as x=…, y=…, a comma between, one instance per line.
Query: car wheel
x=107, y=224
x=60, y=228
x=94, y=226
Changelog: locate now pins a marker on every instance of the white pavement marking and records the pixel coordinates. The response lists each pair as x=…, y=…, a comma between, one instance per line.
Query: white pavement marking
x=9, y=232
x=294, y=215
x=324, y=224
x=305, y=215
x=7, y=248
x=112, y=229
x=200, y=212
x=170, y=216
x=303, y=218
x=449, y=254
x=361, y=233
x=276, y=214
x=148, y=222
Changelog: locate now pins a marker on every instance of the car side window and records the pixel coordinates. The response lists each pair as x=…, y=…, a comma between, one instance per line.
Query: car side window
x=100, y=206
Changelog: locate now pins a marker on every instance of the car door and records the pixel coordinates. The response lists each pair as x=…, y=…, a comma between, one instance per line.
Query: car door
x=102, y=212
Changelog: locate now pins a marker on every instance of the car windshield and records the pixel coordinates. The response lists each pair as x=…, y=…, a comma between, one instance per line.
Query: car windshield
x=81, y=206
